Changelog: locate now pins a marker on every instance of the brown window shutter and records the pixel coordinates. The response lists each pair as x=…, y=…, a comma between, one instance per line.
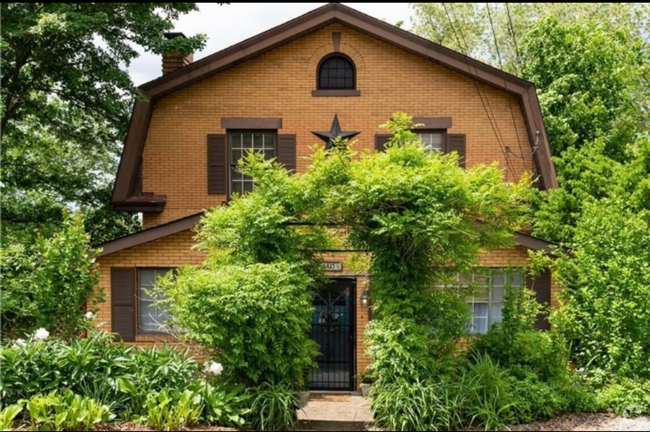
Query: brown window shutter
x=542, y=287
x=457, y=143
x=123, y=303
x=287, y=151
x=381, y=140
x=217, y=166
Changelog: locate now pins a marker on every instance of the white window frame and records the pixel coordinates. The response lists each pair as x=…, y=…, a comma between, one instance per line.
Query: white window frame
x=428, y=133
x=233, y=162
x=158, y=272
x=512, y=279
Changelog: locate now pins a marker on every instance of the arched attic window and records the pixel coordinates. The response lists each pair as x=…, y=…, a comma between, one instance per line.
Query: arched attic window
x=336, y=72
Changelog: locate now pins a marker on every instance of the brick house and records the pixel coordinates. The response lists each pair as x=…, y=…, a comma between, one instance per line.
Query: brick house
x=331, y=72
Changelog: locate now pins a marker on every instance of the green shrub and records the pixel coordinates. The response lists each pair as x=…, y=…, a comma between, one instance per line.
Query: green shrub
x=66, y=411
x=17, y=305
x=51, y=286
x=577, y=396
x=515, y=343
x=173, y=410
x=605, y=283
x=535, y=400
x=273, y=407
x=257, y=317
x=8, y=415
x=398, y=349
x=626, y=397
x=539, y=352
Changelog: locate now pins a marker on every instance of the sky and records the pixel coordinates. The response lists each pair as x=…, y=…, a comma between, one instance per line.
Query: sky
x=228, y=25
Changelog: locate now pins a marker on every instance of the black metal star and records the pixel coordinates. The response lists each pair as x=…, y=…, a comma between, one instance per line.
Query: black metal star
x=335, y=132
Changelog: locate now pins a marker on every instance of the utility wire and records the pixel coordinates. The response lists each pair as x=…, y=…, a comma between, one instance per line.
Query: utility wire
x=486, y=105
x=512, y=113
x=494, y=34
x=514, y=38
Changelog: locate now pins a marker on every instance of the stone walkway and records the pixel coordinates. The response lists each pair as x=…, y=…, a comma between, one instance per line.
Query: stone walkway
x=330, y=412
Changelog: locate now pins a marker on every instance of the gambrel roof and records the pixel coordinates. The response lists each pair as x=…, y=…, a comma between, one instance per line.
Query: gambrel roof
x=124, y=194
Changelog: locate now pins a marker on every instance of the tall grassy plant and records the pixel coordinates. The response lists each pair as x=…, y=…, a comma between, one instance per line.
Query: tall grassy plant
x=489, y=395
x=406, y=405
x=273, y=407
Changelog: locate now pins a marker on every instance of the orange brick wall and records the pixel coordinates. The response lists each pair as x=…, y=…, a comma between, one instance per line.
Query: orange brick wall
x=279, y=84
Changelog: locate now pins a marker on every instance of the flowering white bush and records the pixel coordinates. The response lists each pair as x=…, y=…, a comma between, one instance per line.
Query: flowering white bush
x=213, y=368
x=90, y=316
x=41, y=334
x=20, y=343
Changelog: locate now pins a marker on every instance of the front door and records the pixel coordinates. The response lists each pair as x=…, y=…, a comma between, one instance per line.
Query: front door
x=333, y=328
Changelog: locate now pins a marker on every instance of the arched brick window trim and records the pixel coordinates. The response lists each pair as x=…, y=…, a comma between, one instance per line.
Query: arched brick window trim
x=330, y=67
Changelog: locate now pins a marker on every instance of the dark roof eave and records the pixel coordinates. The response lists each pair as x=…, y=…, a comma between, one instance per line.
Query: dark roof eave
x=142, y=203
x=189, y=222
x=537, y=244
x=149, y=235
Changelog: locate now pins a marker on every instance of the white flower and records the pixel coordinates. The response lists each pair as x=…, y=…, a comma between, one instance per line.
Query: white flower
x=213, y=368
x=41, y=334
x=90, y=316
x=20, y=343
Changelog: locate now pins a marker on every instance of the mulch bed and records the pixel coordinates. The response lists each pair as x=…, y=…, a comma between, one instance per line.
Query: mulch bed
x=135, y=427
x=589, y=422
x=581, y=422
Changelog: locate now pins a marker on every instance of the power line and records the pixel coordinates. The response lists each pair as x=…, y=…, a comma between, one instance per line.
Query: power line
x=485, y=103
x=512, y=113
x=514, y=38
x=496, y=44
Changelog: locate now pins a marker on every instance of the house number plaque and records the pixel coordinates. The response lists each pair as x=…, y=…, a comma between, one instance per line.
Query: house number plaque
x=332, y=266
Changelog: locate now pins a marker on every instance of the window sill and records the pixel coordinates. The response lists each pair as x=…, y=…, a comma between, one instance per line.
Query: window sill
x=155, y=337
x=335, y=93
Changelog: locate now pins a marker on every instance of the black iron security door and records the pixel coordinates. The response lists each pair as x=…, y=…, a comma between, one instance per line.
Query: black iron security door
x=333, y=328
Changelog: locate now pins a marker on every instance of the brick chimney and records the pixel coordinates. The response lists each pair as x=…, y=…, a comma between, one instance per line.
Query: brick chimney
x=174, y=60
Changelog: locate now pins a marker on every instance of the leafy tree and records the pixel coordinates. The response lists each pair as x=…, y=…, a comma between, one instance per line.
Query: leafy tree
x=51, y=286
x=603, y=213
x=606, y=288
x=65, y=105
x=587, y=77
x=493, y=32
x=588, y=175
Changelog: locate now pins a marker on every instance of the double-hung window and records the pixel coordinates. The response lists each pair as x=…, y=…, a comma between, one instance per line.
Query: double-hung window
x=486, y=302
x=434, y=140
x=151, y=315
x=240, y=143
x=488, y=292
